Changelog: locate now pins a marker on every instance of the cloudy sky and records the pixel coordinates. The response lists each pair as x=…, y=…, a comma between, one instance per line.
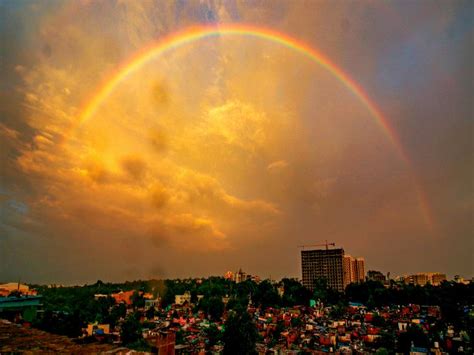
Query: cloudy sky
x=231, y=150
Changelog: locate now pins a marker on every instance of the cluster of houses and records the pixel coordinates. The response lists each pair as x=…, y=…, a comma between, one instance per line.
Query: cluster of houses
x=356, y=330
x=181, y=329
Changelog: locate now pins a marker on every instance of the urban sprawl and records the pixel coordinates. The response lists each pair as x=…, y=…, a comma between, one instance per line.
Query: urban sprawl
x=336, y=307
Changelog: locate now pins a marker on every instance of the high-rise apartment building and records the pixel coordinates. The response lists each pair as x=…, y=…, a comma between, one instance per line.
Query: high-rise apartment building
x=323, y=264
x=348, y=270
x=360, y=270
x=354, y=270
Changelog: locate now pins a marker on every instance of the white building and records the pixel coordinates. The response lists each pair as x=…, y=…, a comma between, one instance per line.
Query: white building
x=181, y=299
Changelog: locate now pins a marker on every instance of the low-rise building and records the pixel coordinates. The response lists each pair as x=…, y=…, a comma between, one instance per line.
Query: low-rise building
x=95, y=328
x=423, y=278
x=6, y=289
x=459, y=279
x=123, y=297
x=241, y=276
x=16, y=308
x=373, y=275
x=149, y=303
x=98, y=296
x=181, y=299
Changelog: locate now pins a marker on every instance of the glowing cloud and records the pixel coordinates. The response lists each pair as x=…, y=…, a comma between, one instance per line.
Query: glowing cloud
x=193, y=34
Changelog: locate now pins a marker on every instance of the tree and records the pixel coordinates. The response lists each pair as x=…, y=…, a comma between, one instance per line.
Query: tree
x=179, y=337
x=321, y=290
x=240, y=334
x=237, y=303
x=150, y=313
x=213, y=334
x=338, y=310
x=415, y=335
x=245, y=289
x=60, y=323
x=138, y=301
x=266, y=295
x=117, y=312
x=295, y=293
x=131, y=331
x=215, y=307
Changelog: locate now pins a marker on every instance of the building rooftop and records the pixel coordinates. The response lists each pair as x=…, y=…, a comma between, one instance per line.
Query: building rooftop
x=15, y=338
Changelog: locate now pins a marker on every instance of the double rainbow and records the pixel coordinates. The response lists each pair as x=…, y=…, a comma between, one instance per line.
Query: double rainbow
x=198, y=33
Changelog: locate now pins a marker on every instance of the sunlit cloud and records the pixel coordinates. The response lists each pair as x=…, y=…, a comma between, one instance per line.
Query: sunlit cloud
x=277, y=165
x=228, y=151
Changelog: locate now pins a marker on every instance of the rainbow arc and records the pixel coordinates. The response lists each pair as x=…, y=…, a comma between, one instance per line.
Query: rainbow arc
x=193, y=34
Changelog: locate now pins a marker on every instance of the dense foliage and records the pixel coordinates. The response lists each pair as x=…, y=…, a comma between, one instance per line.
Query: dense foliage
x=240, y=334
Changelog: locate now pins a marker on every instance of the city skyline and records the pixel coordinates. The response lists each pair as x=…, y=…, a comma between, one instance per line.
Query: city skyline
x=168, y=140
x=353, y=270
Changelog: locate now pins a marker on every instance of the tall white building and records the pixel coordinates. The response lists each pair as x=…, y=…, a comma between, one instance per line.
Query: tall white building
x=354, y=270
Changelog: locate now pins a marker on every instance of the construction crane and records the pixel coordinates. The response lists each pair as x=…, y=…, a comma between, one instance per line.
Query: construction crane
x=326, y=244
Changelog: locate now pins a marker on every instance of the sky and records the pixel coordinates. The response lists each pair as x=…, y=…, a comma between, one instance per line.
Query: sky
x=231, y=151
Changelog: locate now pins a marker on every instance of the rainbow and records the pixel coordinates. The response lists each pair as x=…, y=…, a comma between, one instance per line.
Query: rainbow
x=193, y=34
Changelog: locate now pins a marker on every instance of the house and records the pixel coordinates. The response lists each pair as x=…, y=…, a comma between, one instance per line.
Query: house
x=149, y=303
x=98, y=296
x=95, y=328
x=25, y=307
x=181, y=299
x=123, y=297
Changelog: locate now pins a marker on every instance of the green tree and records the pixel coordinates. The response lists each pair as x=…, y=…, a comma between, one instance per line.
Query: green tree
x=414, y=334
x=150, y=313
x=60, y=323
x=338, y=310
x=266, y=295
x=295, y=293
x=179, y=337
x=237, y=303
x=131, y=331
x=215, y=307
x=240, y=334
x=138, y=301
x=386, y=340
x=213, y=334
x=245, y=289
x=321, y=290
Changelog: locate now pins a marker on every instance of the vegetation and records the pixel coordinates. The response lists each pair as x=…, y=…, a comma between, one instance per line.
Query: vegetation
x=69, y=309
x=213, y=306
x=214, y=335
x=131, y=331
x=240, y=334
